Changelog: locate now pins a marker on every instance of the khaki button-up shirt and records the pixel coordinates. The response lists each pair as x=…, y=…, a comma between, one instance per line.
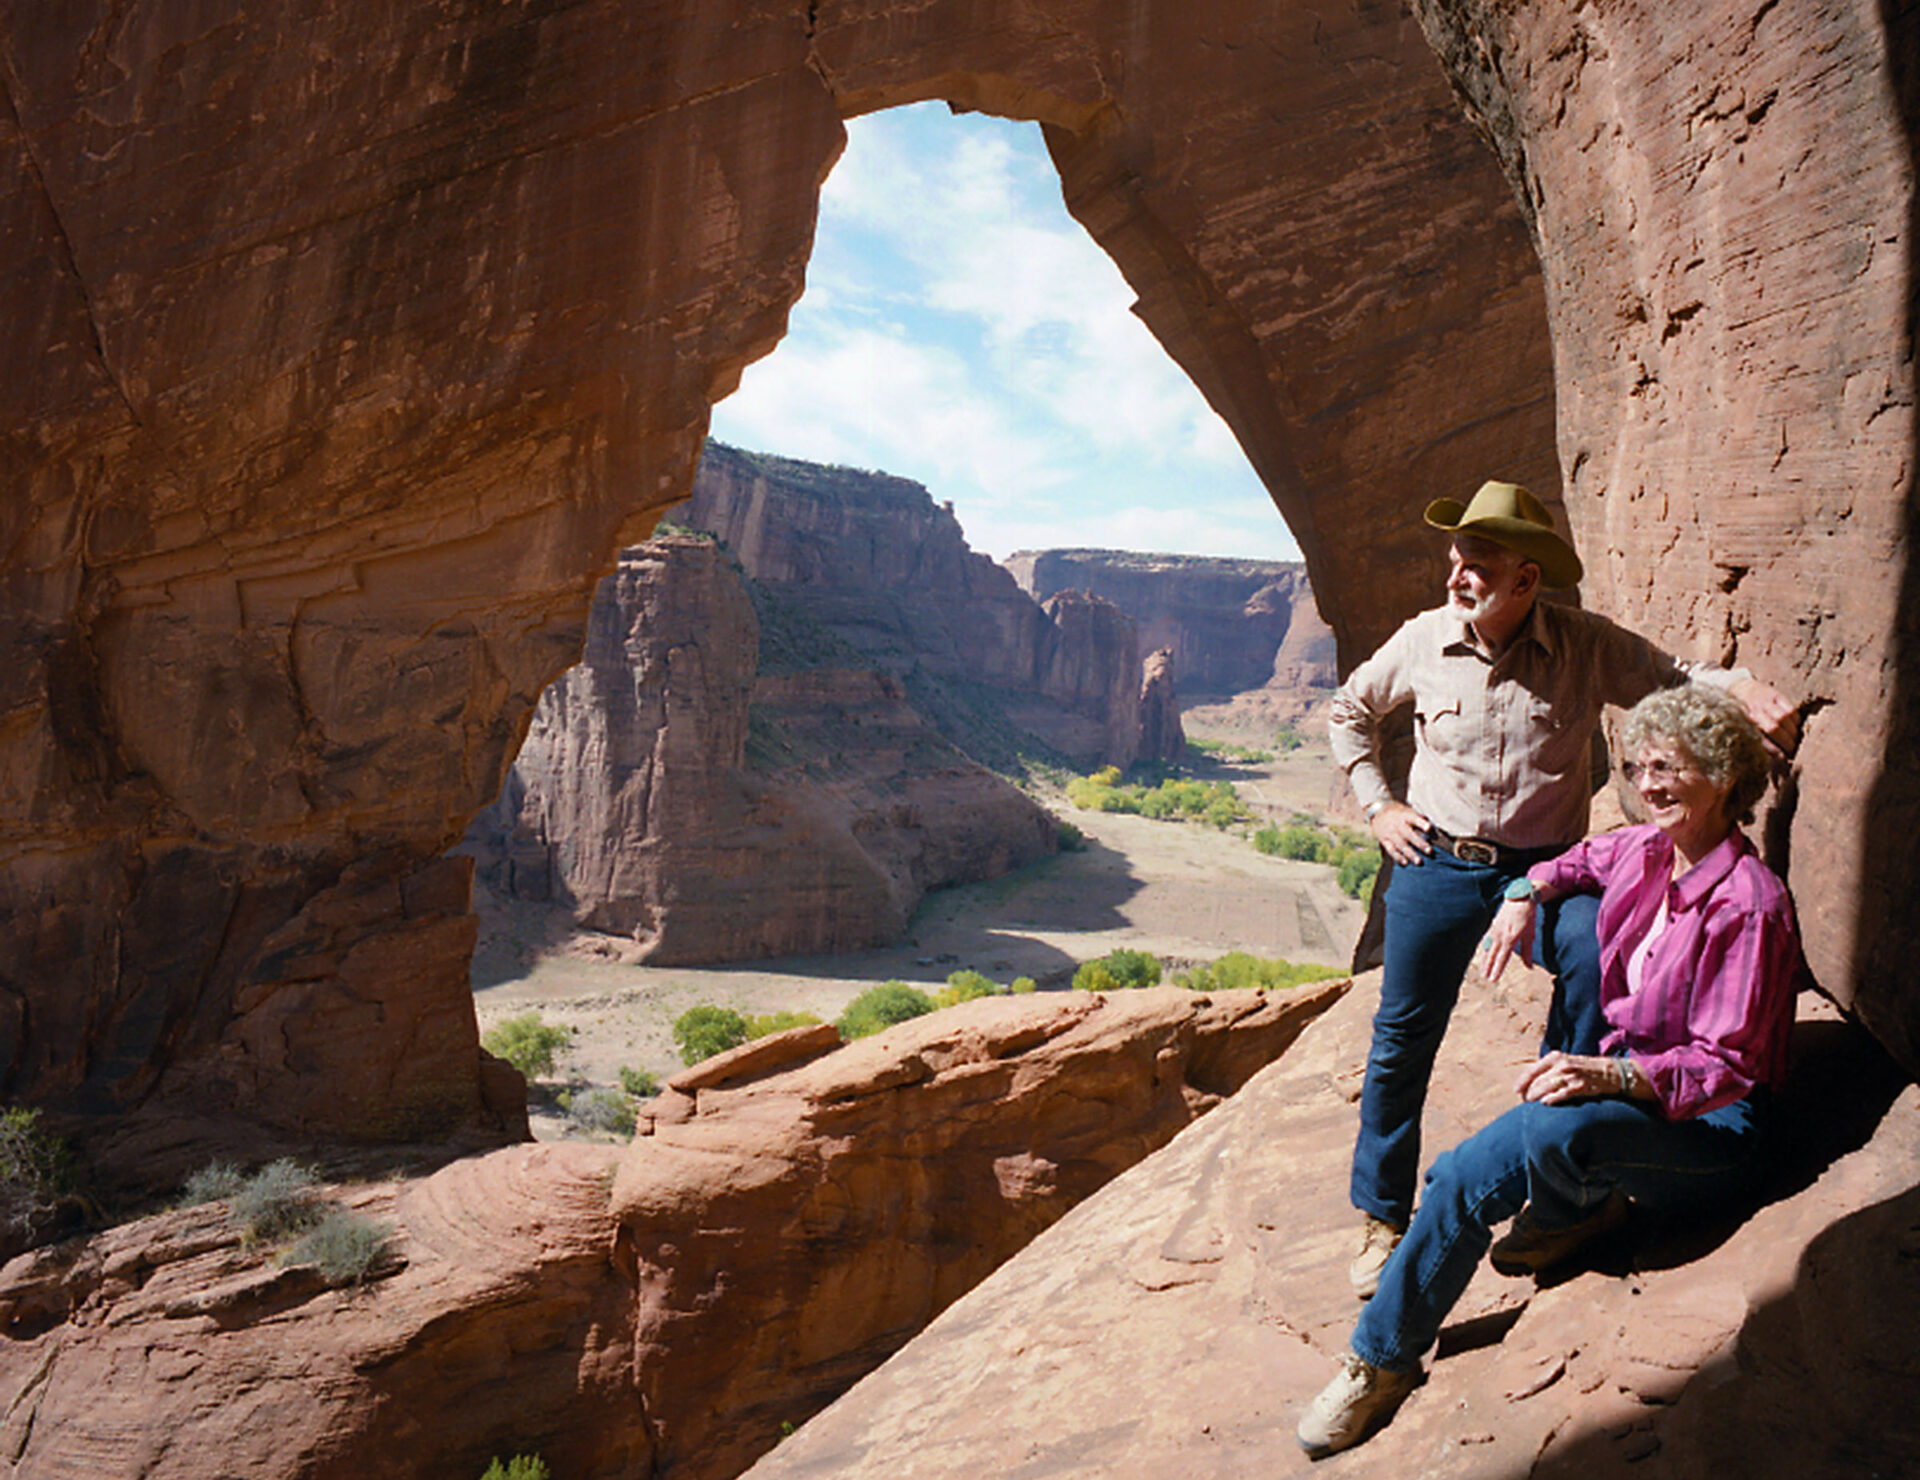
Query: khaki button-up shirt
x=1502, y=746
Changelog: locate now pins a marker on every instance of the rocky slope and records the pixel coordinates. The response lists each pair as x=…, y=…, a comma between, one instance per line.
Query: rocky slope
x=877, y=562
x=1778, y=1345
x=1226, y=622
x=787, y=1218
x=676, y=789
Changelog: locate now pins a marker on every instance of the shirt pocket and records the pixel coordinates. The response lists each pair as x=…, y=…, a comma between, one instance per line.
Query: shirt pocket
x=1441, y=726
x=1556, y=736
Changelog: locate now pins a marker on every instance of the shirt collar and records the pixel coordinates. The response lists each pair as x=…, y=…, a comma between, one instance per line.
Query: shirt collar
x=1538, y=628
x=1705, y=876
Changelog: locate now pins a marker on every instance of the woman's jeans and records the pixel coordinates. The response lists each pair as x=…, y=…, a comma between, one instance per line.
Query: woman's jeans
x=1565, y=1160
x=1436, y=915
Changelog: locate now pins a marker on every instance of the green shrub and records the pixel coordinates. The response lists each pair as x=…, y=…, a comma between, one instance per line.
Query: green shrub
x=881, y=1007
x=527, y=1042
x=1072, y=840
x=277, y=1200
x=1299, y=842
x=604, y=1110
x=36, y=1172
x=760, y=1025
x=1118, y=970
x=1357, y=868
x=344, y=1246
x=520, y=1467
x=703, y=1031
x=1288, y=738
x=964, y=986
x=1021, y=985
x=1237, y=971
x=642, y=1084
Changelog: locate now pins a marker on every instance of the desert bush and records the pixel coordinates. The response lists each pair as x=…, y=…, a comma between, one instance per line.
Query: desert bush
x=703, y=1031
x=604, y=1110
x=1226, y=750
x=1072, y=840
x=1117, y=971
x=520, y=1467
x=1288, y=738
x=343, y=1246
x=1215, y=802
x=279, y=1199
x=1300, y=842
x=881, y=1007
x=1021, y=985
x=642, y=1084
x=761, y=1024
x=964, y=986
x=1238, y=970
x=527, y=1042
x=214, y=1182
x=1358, y=868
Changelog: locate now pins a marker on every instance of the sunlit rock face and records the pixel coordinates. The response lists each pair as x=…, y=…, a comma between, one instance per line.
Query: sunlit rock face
x=1722, y=196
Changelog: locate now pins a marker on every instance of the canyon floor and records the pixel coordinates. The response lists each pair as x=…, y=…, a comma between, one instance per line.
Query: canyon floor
x=1184, y=891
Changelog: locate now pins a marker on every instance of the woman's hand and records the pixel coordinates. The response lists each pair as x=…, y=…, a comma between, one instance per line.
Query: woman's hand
x=1510, y=935
x=1557, y=1077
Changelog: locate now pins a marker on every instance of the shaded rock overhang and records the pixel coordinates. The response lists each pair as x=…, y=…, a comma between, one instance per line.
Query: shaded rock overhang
x=361, y=337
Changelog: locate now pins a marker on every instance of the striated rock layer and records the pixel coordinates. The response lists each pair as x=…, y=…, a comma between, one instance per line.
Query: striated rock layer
x=779, y=1227
x=675, y=789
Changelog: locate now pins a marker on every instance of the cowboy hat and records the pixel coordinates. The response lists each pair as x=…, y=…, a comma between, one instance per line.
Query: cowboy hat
x=1508, y=515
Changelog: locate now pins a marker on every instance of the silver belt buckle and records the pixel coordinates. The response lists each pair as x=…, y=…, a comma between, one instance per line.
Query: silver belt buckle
x=1476, y=850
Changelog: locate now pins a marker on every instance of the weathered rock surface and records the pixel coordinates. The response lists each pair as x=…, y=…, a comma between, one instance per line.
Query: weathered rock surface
x=878, y=563
x=676, y=790
x=772, y=1236
x=1777, y=1345
x=1224, y=621
x=1161, y=734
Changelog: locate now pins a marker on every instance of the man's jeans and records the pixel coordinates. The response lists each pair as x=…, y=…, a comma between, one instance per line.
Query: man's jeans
x=1565, y=1160
x=1436, y=915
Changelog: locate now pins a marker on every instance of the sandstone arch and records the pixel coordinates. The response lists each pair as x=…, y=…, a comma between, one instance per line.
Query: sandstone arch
x=362, y=336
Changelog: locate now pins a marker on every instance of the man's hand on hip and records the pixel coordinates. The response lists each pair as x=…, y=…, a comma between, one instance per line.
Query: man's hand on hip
x=1402, y=832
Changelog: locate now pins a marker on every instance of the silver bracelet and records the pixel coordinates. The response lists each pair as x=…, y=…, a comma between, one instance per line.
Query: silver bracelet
x=1623, y=1067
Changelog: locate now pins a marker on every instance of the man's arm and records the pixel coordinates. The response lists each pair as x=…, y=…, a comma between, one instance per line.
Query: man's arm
x=1629, y=668
x=1373, y=691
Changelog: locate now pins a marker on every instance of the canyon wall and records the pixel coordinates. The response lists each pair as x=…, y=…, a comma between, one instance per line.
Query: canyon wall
x=1224, y=621
x=676, y=790
x=363, y=335
x=876, y=561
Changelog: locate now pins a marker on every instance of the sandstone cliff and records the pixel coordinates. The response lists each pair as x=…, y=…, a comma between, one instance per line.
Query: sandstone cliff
x=675, y=789
x=1160, y=730
x=877, y=562
x=1225, y=621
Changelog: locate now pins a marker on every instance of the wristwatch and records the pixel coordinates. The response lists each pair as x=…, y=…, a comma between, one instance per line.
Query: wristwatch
x=1521, y=888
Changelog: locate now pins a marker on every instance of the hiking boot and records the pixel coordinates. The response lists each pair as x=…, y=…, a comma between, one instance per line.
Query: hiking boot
x=1378, y=1240
x=1360, y=1398
x=1529, y=1249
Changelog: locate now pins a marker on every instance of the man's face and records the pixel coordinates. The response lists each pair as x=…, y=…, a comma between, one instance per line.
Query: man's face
x=1487, y=580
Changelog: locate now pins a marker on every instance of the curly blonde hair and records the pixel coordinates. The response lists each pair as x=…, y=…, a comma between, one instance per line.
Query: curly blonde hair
x=1712, y=731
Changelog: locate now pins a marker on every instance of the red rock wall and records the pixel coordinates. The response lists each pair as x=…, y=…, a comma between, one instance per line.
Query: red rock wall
x=1723, y=198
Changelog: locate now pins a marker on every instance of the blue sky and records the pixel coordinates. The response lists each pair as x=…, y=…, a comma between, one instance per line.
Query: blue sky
x=961, y=329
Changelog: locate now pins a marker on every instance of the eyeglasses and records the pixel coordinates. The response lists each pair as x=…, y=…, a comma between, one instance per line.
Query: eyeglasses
x=1660, y=773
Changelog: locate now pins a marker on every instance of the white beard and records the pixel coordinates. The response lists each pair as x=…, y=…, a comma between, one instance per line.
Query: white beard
x=1468, y=608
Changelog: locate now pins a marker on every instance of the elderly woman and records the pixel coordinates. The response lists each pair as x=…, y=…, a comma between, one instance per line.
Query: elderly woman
x=1699, y=958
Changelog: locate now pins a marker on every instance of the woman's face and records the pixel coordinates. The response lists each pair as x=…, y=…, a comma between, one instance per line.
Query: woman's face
x=1679, y=798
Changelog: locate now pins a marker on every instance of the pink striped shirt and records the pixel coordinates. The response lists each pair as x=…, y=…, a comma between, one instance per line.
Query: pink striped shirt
x=1714, y=1007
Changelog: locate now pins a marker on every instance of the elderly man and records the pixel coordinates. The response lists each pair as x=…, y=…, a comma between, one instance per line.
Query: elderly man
x=1507, y=692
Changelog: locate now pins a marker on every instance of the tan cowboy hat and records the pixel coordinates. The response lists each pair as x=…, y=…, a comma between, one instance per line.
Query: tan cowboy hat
x=1508, y=515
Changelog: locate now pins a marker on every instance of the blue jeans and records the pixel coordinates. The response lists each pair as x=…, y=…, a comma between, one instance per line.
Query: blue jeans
x=1436, y=914
x=1565, y=1160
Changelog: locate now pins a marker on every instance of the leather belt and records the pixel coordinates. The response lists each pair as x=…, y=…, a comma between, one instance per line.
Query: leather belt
x=1484, y=853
